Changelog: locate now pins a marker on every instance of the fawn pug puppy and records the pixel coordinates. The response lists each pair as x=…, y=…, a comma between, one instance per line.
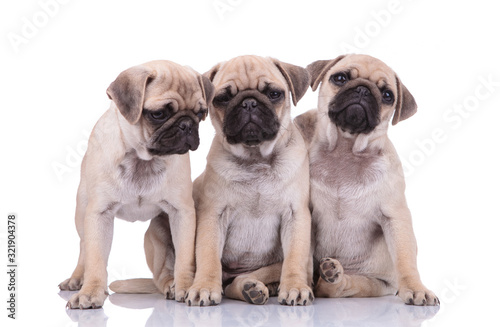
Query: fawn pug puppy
x=137, y=168
x=253, y=220
x=363, y=238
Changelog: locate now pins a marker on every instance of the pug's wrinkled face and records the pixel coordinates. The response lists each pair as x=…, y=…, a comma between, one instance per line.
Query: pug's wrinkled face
x=250, y=115
x=358, y=92
x=170, y=119
x=164, y=102
x=251, y=100
x=362, y=92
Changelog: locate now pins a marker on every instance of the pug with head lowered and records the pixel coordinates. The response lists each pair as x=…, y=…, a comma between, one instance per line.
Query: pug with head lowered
x=363, y=239
x=137, y=168
x=253, y=220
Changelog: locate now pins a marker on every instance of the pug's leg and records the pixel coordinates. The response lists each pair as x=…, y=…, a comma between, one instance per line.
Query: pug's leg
x=98, y=235
x=160, y=254
x=74, y=283
x=398, y=232
x=334, y=283
x=182, y=221
x=252, y=287
x=295, y=277
x=207, y=285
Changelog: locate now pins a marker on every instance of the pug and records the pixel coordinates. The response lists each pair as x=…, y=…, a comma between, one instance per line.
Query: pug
x=363, y=239
x=253, y=221
x=137, y=168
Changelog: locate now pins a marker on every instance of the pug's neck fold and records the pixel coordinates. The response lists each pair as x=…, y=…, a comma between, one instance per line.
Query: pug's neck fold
x=361, y=142
x=132, y=140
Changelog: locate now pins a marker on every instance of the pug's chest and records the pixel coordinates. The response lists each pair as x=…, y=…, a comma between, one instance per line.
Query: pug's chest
x=251, y=243
x=345, y=172
x=141, y=177
x=142, y=188
x=345, y=230
x=252, y=237
x=345, y=201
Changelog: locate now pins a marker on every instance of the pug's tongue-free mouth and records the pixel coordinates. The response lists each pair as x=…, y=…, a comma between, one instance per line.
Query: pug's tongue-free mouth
x=251, y=134
x=252, y=142
x=355, y=114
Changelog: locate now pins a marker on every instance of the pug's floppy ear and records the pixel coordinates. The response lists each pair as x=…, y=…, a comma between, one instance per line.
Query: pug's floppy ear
x=128, y=89
x=405, y=103
x=212, y=72
x=318, y=69
x=207, y=88
x=296, y=77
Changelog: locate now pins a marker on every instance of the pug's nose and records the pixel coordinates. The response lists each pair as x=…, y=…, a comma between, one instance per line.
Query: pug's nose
x=186, y=125
x=249, y=104
x=363, y=91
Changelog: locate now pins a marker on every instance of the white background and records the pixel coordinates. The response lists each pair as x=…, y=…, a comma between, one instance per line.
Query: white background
x=53, y=84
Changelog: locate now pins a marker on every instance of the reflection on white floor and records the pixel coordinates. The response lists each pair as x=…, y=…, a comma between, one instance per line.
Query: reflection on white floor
x=385, y=311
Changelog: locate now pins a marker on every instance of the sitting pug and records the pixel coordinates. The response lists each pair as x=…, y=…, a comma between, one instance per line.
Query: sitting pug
x=137, y=168
x=363, y=239
x=253, y=220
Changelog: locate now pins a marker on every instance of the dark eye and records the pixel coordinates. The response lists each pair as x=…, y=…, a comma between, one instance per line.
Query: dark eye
x=274, y=95
x=159, y=115
x=339, y=78
x=388, y=96
x=202, y=114
x=222, y=98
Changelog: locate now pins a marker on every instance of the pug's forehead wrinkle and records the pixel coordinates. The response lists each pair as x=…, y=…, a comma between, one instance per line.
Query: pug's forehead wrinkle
x=160, y=101
x=353, y=71
x=179, y=101
x=261, y=83
x=376, y=72
x=246, y=65
x=177, y=104
x=375, y=75
x=247, y=72
x=269, y=85
x=228, y=86
x=381, y=79
x=175, y=80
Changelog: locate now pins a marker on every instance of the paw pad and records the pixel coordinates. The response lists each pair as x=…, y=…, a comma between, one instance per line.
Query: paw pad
x=331, y=270
x=255, y=293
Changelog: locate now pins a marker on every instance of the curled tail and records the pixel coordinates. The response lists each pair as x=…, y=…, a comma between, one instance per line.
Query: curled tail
x=134, y=286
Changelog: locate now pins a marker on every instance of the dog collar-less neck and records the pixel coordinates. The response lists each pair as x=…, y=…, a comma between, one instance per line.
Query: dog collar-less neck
x=138, y=147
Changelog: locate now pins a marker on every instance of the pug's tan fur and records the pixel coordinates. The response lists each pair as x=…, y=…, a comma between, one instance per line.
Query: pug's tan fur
x=121, y=177
x=363, y=239
x=252, y=201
